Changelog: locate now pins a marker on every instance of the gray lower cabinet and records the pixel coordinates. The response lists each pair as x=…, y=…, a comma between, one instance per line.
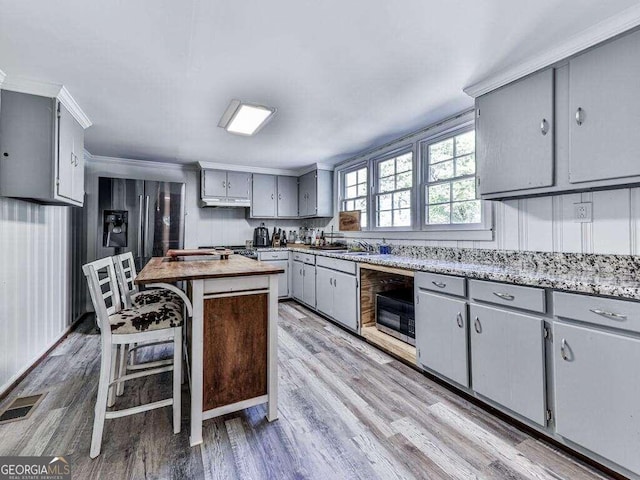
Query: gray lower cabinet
x=605, y=111
x=41, y=150
x=283, y=278
x=304, y=283
x=337, y=296
x=515, y=135
x=508, y=360
x=597, y=392
x=441, y=335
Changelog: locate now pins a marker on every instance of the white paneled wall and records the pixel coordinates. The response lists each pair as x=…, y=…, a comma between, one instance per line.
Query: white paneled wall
x=547, y=224
x=35, y=282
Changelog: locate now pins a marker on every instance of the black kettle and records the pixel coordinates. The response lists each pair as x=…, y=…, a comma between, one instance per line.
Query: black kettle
x=261, y=236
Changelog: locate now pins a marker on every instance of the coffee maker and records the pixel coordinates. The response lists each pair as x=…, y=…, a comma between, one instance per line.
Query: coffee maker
x=261, y=236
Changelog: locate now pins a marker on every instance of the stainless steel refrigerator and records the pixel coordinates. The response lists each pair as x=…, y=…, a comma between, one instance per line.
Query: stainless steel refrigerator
x=139, y=216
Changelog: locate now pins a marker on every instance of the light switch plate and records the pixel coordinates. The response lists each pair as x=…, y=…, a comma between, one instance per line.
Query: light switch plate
x=583, y=212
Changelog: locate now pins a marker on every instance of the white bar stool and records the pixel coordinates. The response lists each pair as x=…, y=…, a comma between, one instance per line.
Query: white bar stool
x=120, y=327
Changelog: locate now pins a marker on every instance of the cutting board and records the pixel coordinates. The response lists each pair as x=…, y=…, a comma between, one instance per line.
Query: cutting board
x=224, y=253
x=349, y=221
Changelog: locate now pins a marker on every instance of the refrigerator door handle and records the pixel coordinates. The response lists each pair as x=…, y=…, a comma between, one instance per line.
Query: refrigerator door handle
x=139, y=226
x=146, y=225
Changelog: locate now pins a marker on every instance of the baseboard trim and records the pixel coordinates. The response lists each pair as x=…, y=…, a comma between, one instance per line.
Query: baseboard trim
x=12, y=384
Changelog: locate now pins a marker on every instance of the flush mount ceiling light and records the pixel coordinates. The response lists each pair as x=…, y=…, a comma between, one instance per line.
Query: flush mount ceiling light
x=245, y=118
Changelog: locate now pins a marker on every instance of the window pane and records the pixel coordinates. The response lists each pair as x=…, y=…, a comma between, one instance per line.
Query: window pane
x=384, y=219
x=350, y=179
x=362, y=175
x=361, y=204
x=464, y=189
x=363, y=218
x=404, y=163
x=404, y=180
x=466, y=212
x=347, y=205
x=465, y=143
x=439, y=214
x=465, y=165
x=386, y=168
x=402, y=200
x=351, y=192
x=441, y=171
x=441, y=151
x=384, y=202
x=362, y=189
x=387, y=184
x=402, y=218
x=440, y=193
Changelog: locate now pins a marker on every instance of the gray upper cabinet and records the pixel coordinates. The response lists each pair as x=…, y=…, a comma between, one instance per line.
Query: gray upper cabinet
x=515, y=135
x=287, y=196
x=214, y=183
x=605, y=111
x=507, y=360
x=441, y=335
x=41, y=150
x=221, y=187
x=315, y=194
x=597, y=391
x=263, y=196
x=274, y=196
x=238, y=184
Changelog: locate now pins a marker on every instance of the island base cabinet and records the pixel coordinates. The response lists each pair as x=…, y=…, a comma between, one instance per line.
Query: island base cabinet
x=441, y=336
x=235, y=349
x=597, y=392
x=508, y=360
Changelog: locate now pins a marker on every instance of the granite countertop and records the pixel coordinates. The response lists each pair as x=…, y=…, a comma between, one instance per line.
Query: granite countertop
x=611, y=275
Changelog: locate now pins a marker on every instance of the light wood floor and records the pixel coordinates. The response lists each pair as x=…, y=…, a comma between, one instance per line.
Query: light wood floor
x=346, y=411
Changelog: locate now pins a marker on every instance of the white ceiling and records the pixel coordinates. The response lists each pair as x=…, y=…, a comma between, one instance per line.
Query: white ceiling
x=154, y=76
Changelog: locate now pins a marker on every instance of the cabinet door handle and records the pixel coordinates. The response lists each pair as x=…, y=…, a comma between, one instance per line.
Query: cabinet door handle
x=477, y=325
x=224, y=184
x=279, y=196
x=563, y=350
x=272, y=196
x=228, y=184
x=439, y=284
x=579, y=116
x=301, y=272
x=330, y=281
x=544, y=126
x=504, y=296
x=72, y=159
x=459, y=320
x=615, y=316
x=335, y=282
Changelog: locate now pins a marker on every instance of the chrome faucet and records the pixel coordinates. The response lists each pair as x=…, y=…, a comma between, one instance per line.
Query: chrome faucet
x=366, y=246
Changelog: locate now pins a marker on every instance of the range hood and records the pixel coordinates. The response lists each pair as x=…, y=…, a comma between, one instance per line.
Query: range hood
x=225, y=202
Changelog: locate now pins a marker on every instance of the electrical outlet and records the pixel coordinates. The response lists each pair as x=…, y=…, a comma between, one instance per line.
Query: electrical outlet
x=583, y=212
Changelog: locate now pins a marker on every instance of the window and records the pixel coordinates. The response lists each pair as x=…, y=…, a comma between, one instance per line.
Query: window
x=450, y=181
x=355, y=191
x=394, y=182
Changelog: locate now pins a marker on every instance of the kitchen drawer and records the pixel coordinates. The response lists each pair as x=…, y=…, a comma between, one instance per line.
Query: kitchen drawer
x=345, y=266
x=441, y=283
x=307, y=258
x=515, y=296
x=608, y=312
x=278, y=255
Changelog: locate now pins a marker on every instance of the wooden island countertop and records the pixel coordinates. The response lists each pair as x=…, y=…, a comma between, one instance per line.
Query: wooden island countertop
x=166, y=270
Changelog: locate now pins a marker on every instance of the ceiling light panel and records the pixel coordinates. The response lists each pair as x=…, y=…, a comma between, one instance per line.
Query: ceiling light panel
x=246, y=118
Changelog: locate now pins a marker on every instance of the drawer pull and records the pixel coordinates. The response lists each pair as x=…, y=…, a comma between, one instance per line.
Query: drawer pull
x=459, y=320
x=504, y=296
x=439, y=284
x=563, y=350
x=477, y=325
x=615, y=316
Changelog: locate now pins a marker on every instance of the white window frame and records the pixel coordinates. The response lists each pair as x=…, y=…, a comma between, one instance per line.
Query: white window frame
x=375, y=162
x=342, y=188
x=485, y=210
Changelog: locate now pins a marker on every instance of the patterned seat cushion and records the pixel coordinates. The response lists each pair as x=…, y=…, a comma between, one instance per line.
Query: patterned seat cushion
x=156, y=295
x=146, y=318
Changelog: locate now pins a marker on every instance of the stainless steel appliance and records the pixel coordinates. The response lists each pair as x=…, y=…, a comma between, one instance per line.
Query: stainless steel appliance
x=261, y=236
x=155, y=214
x=395, y=314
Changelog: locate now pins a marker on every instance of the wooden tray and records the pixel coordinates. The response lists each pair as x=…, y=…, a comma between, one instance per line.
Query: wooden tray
x=223, y=252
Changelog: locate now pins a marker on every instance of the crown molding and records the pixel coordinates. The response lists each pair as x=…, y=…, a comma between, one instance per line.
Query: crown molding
x=598, y=33
x=104, y=160
x=46, y=89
